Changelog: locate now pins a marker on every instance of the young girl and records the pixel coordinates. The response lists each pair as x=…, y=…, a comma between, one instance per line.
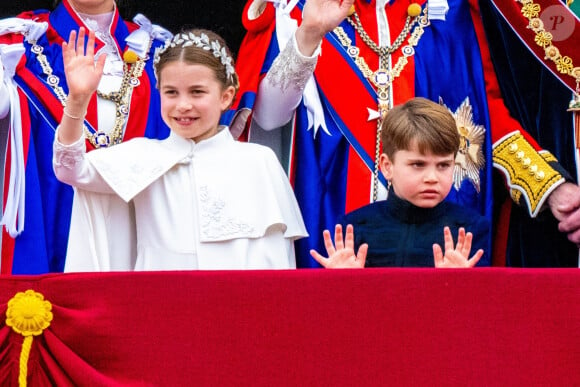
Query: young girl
x=201, y=200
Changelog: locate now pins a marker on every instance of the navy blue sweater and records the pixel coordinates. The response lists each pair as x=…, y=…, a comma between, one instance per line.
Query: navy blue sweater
x=400, y=234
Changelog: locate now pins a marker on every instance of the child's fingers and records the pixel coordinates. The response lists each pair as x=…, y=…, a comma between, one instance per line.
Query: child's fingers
x=476, y=257
x=319, y=258
x=100, y=65
x=66, y=54
x=437, y=255
x=68, y=47
x=338, y=238
x=349, y=237
x=448, y=238
x=72, y=37
x=460, y=239
x=362, y=254
x=91, y=44
x=80, y=47
x=328, y=242
x=466, y=248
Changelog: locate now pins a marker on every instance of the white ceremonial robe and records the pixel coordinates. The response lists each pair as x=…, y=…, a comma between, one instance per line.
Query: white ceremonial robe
x=216, y=204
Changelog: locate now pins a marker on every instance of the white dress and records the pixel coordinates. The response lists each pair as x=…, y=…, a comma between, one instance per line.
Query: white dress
x=216, y=204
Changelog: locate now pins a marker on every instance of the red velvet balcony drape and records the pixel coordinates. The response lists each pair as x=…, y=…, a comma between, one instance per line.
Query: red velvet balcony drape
x=304, y=327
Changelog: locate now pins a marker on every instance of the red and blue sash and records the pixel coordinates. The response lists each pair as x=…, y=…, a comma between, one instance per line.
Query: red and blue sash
x=41, y=247
x=332, y=173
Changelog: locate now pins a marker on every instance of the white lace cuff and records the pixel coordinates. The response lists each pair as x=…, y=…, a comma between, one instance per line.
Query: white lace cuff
x=282, y=88
x=68, y=156
x=291, y=68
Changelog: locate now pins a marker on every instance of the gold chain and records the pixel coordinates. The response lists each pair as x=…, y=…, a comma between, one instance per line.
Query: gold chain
x=383, y=77
x=121, y=98
x=564, y=63
x=382, y=51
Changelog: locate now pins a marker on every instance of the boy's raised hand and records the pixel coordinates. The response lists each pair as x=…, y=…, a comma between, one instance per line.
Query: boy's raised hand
x=341, y=254
x=82, y=73
x=457, y=257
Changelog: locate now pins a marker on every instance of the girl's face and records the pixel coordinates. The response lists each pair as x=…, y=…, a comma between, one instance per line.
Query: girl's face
x=93, y=7
x=422, y=179
x=192, y=99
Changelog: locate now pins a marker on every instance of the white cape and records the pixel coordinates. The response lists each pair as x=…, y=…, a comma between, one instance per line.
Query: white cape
x=217, y=204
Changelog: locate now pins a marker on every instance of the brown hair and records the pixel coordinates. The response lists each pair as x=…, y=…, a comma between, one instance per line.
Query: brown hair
x=429, y=125
x=184, y=50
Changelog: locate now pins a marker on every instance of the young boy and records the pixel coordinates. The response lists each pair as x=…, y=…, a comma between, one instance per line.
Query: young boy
x=420, y=142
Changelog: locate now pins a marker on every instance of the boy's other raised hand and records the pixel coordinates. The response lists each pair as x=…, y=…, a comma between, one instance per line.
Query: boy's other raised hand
x=458, y=256
x=341, y=254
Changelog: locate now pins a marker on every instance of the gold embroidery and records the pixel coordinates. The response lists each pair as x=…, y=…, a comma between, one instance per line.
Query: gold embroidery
x=549, y=157
x=531, y=10
x=527, y=170
x=543, y=39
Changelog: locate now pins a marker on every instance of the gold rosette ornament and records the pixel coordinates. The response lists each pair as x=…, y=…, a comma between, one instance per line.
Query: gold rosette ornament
x=28, y=314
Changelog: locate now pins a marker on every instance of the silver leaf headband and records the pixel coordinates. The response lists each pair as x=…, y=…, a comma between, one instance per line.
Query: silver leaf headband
x=185, y=39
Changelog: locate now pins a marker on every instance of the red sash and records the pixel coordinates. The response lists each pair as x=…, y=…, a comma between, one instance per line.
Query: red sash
x=559, y=20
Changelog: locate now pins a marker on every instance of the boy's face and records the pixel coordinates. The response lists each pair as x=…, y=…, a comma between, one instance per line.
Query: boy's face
x=422, y=179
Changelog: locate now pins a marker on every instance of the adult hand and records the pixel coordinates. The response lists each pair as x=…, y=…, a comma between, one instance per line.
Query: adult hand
x=457, y=257
x=564, y=203
x=341, y=254
x=318, y=18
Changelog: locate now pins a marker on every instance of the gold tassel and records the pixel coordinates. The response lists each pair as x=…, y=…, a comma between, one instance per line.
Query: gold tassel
x=28, y=314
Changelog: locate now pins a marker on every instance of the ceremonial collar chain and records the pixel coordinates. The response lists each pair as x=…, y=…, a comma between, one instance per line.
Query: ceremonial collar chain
x=564, y=64
x=121, y=98
x=384, y=76
x=382, y=51
x=186, y=39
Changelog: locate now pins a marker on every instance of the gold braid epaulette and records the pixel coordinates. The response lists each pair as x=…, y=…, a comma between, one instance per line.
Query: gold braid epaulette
x=528, y=172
